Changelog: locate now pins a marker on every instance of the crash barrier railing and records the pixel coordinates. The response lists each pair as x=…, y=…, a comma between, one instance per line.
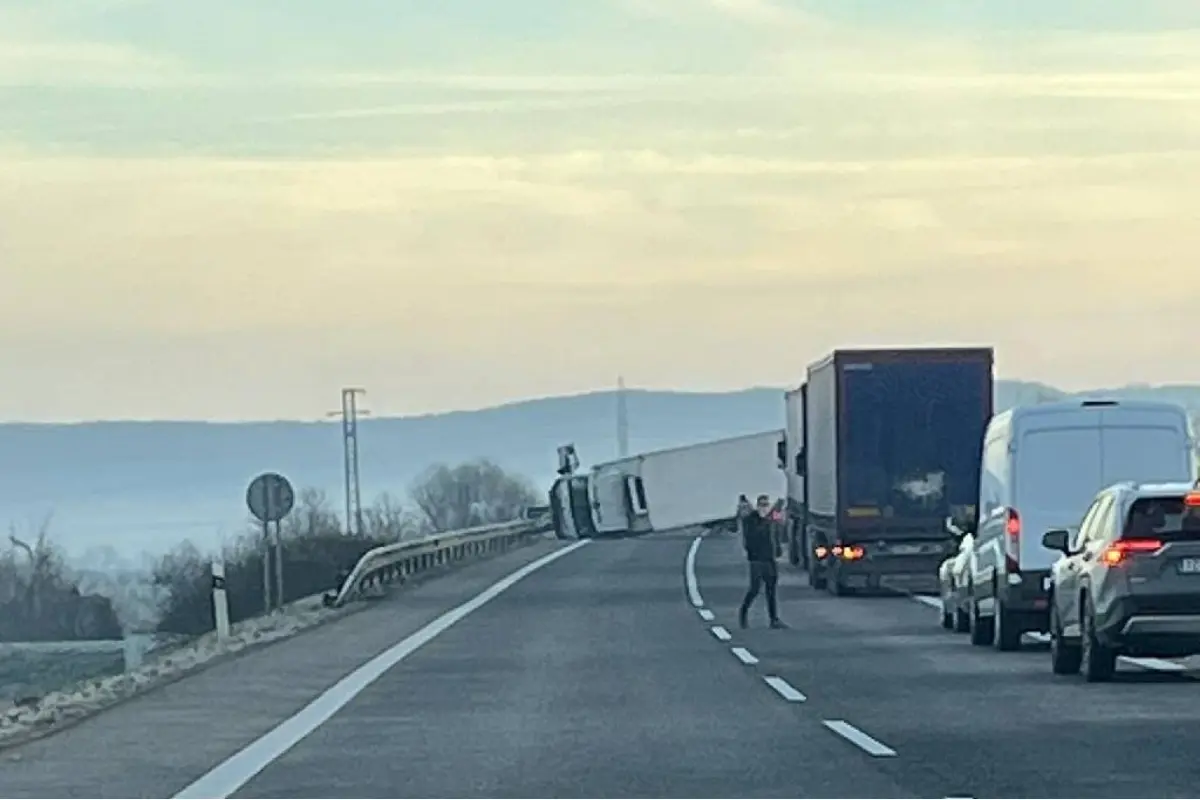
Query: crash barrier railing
x=395, y=562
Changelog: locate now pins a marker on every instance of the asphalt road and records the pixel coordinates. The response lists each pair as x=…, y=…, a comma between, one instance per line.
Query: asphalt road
x=599, y=674
x=593, y=677
x=963, y=720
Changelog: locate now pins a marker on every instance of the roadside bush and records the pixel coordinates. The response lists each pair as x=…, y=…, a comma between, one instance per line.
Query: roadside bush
x=317, y=555
x=41, y=601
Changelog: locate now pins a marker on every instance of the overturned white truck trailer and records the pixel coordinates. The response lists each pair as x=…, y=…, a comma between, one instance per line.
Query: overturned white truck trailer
x=684, y=486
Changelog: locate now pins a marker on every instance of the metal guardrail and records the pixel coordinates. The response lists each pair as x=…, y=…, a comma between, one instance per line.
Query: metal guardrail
x=395, y=562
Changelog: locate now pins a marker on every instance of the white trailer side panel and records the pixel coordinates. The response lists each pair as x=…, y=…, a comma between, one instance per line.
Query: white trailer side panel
x=794, y=410
x=700, y=483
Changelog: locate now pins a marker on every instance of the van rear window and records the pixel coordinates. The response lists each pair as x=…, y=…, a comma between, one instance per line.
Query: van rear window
x=1163, y=518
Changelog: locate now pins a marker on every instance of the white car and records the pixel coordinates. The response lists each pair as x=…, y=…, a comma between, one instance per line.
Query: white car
x=953, y=579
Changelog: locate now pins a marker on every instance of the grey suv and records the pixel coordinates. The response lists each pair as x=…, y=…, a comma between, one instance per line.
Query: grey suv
x=1128, y=582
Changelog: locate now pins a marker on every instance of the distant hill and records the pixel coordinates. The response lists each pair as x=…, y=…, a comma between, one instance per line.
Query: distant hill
x=148, y=485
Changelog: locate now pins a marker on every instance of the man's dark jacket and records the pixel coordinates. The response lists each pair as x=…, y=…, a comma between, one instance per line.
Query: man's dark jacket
x=758, y=537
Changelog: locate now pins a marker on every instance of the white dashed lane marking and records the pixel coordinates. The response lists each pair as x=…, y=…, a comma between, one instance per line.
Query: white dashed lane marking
x=862, y=741
x=720, y=632
x=744, y=655
x=784, y=689
x=706, y=615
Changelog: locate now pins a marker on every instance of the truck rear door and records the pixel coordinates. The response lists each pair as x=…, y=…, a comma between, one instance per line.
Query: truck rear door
x=912, y=435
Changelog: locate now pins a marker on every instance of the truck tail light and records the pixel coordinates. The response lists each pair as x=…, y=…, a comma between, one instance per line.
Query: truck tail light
x=849, y=552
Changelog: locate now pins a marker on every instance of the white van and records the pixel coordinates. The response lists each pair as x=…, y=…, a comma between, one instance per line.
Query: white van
x=1041, y=467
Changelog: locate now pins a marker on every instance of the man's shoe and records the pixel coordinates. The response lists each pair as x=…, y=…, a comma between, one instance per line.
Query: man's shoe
x=778, y=625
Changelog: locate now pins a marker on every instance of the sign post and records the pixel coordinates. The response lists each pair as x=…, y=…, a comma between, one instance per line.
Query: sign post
x=270, y=498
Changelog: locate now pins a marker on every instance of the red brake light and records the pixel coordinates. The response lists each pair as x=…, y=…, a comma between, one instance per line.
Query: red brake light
x=1119, y=552
x=1012, y=541
x=1192, y=499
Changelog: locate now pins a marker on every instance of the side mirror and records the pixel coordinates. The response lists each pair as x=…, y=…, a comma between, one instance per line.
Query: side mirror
x=1058, y=539
x=800, y=465
x=781, y=453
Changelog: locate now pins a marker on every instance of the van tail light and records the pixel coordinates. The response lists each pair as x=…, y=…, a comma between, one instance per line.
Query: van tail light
x=1012, y=542
x=1119, y=552
x=1191, y=499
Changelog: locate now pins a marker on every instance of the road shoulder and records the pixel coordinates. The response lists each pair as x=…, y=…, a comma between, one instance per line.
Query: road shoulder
x=153, y=745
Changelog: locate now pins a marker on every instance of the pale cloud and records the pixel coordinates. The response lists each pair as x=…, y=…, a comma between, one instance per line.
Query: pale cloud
x=431, y=232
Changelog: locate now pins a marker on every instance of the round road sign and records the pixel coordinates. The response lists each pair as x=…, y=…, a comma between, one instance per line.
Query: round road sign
x=270, y=497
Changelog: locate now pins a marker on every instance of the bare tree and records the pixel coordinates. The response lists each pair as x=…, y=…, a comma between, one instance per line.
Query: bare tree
x=470, y=494
x=312, y=516
x=387, y=518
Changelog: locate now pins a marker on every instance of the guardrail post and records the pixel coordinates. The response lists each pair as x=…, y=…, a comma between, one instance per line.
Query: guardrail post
x=220, y=599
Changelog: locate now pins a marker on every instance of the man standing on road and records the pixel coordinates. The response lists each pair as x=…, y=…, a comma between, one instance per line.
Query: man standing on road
x=758, y=537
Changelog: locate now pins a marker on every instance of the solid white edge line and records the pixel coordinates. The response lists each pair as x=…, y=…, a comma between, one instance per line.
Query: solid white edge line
x=706, y=615
x=784, y=689
x=1156, y=664
x=239, y=769
x=861, y=740
x=720, y=632
x=689, y=573
x=744, y=656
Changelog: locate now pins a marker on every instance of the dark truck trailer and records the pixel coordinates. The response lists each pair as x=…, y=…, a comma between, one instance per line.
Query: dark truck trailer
x=892, y=445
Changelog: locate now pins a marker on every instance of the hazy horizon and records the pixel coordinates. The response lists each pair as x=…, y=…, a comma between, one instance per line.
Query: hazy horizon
x=229, y=210
x=364, y=403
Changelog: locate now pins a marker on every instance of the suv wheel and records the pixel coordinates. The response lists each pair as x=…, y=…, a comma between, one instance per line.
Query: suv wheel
x=1098, y=662
x=1065, y=657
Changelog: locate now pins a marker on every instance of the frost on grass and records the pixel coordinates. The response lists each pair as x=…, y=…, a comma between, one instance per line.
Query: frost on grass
x=22, y=719
x=136, y=599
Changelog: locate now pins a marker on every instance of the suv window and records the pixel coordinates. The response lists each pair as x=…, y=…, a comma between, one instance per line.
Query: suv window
x=1104, y=527
x=1085, y=524
x=1163, y=518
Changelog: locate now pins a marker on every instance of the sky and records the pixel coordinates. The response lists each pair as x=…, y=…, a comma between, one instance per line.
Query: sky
x=229, y=209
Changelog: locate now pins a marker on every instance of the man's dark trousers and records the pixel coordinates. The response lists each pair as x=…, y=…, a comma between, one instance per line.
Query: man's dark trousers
x=761, y=572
